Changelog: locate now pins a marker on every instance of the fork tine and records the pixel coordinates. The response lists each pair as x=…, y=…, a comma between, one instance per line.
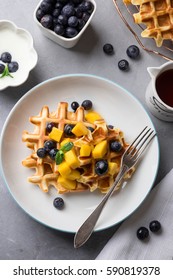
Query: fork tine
x=133, y=143
x=145, y=144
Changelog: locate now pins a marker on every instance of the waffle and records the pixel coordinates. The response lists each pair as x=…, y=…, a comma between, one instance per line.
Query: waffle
x=46, y=170
x=157, y=15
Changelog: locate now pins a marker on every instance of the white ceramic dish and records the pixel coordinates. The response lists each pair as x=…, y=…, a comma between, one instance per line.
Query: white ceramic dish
x=19, y=43
x=119, y=108
x=62, y=41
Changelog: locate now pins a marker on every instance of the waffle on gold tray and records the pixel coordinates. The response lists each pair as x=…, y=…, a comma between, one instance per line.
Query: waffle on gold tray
x=73, y=150
x=157, y=15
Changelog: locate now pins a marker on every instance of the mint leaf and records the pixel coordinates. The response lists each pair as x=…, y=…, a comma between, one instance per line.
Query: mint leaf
x=6, y=72
x=59, y=157
x=67, y=147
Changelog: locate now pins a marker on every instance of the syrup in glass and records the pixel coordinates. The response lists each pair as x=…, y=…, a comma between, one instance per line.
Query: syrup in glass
x=164, y=87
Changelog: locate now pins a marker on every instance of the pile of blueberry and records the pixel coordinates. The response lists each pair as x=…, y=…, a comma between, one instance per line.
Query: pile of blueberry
x=7, y=66
x=65, y=17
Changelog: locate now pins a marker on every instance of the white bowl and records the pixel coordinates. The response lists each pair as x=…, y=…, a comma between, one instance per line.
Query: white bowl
x=19, y=43
x=62, y=41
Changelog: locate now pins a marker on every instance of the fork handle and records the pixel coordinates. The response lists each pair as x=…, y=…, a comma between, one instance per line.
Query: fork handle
x=87, y=227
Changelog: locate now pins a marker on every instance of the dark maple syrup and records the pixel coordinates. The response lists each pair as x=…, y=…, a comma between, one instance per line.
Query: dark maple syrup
x=164, y=87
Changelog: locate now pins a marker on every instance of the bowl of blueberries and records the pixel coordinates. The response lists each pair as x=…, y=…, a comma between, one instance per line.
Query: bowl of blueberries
x=64, y=21
x=18, y=58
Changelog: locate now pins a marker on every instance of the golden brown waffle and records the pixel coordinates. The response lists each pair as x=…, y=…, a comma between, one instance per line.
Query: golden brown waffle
x=157, y=15
x=46, y=170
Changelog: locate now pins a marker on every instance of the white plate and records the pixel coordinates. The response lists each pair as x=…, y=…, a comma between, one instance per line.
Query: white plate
x=119, y=108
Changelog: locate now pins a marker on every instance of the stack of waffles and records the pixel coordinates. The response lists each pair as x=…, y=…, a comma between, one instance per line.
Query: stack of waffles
x=157, y=15
x=46, y=170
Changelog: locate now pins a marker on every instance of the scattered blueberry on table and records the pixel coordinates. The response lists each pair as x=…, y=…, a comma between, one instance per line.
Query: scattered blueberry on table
x=142, y=233
x=123, y=65
x=155, y=226
x=108, y=49
x=65, y=17
x=133, y=51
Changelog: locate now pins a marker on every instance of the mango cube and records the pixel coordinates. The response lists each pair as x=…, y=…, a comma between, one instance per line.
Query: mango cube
x=113, y=168
x=71, y=159
x=100, y=149
x=56, y=134
x=65, y=141
x=80, y=129
x=74, y=175
x=92, y=116
x=64, y=169
x=85, y=150
x=66, y=183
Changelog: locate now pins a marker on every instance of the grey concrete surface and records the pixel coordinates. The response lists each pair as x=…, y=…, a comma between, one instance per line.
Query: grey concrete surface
x=21, y=237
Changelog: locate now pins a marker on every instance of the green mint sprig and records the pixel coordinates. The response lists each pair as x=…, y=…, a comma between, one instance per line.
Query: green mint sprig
x=60, y=154
x=6, y=72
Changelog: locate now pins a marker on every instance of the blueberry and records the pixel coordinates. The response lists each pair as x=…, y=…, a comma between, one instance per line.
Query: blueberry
x=142, y=233
x=123, y=65
x=46, y=7
x=81, y=23
x=72, y=21
x=71, y=32
x=68, y=10
x=101, y=167
x=77, y=1
x=52, y=153
x=85, y=16
x=13, y=66
x=88, y=6
x=68, y=129
x=2, y=67
x=41, y=153
x=155, y=226
x=58, y=203
x=6, y=57
x=39, y=14
x=74, y=105
x=108, y=49
x=56, y=12
x=63, y=1
x=90, y=128
x=62, y=19
x=133, y=51
x=87, y=104
x=47, y=21
x=78, y=13
x=49, y=145
x=49, y=126
x=110, y=126
x=58, y=5
x=59, y=29
x=115, y=146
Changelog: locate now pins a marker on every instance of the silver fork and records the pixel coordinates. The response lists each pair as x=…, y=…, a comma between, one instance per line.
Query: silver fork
x=130, y=157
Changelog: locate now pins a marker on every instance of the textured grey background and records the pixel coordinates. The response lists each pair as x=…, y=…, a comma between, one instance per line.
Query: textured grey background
x=20, y=236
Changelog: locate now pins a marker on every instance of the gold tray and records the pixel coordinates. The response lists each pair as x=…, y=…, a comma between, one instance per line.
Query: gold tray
x=126, y=12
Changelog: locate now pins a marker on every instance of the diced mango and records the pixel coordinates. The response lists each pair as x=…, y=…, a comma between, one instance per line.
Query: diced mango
x=92, y=116
x=100, y=149
x=66, y=183
x=64, y=169
x=65, y=141
x=71, y=159
x=85, y=150
x=80, y=129
x=113, y=168
x=74, y=175
x=56, y=134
